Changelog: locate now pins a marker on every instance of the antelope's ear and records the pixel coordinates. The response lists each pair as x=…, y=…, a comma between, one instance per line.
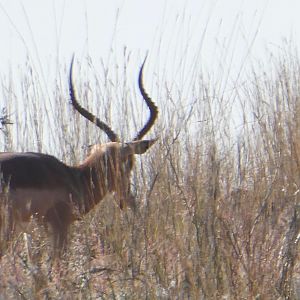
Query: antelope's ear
x=137, y=147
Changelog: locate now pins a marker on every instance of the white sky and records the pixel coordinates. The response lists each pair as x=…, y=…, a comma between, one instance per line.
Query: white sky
x=55, y=29
x=221, y=37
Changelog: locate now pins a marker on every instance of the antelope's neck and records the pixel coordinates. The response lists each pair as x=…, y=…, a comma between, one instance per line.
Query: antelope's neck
x=93, y=184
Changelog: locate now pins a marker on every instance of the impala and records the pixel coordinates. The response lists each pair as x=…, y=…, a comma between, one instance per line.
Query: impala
x=41, y=186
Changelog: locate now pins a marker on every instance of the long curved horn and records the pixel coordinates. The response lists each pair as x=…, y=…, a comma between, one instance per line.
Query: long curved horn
x=152, y=107
x=85, y=113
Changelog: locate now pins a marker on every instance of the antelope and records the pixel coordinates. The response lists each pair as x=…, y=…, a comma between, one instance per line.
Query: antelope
x=41, y=186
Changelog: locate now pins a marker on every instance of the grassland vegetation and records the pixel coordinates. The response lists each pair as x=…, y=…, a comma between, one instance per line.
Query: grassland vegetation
x=218, y=213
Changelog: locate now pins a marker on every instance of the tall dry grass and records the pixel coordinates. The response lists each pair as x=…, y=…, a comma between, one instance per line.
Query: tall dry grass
x=218, y=214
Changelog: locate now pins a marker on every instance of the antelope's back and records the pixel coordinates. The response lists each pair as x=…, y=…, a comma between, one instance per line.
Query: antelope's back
x=35, y=171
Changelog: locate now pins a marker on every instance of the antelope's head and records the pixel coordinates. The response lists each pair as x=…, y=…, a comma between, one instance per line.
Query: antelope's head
x=112, y=162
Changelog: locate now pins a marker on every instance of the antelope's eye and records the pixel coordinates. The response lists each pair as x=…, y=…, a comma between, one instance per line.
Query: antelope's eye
x=129, y=164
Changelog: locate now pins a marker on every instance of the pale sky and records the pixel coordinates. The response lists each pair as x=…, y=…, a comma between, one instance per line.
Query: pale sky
x=53, y=29
x=219, y=37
